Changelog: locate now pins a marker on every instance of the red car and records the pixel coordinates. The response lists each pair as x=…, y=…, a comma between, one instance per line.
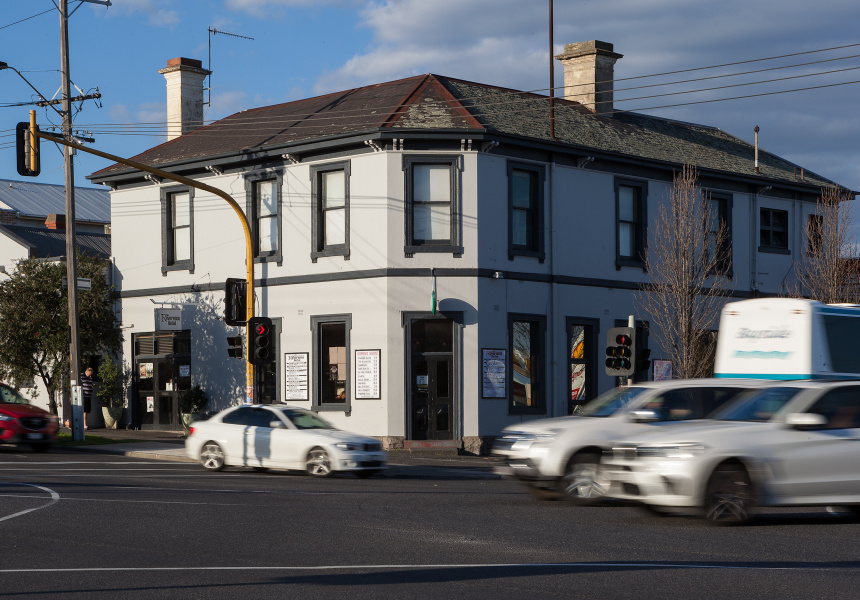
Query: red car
x=22, y=423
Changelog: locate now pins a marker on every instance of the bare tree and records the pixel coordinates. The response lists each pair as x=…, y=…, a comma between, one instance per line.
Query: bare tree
x=826, y=272
x=688, y=259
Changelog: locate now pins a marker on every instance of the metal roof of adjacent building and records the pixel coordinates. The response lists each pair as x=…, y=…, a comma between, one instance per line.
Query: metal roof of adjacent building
x=43, y=199
x=433, y=102
x=50, y=243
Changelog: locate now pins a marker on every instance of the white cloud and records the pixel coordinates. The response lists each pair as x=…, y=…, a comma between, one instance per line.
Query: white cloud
x=156, y=11
x=270, y=8
x=151, y=112
x=119, y=113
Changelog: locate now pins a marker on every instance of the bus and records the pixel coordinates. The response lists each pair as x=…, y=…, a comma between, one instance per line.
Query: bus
x=788, y=338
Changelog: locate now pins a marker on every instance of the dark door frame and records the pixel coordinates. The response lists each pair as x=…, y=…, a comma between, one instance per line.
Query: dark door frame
x=407, y=317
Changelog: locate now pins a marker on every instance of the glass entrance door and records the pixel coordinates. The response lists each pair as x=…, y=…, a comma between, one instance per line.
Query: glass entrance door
x=161, y=380
x=432, y=388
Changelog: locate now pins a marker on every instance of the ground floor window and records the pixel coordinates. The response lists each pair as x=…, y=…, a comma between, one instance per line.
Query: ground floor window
x=581, y=361
x=526, y=338
x=331, y=362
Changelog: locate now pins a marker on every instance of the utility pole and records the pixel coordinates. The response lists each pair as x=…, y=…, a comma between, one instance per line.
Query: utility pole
x=78, y=416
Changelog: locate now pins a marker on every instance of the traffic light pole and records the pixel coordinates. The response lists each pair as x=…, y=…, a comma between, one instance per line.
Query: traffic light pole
x=631, y=323
x=249, y=249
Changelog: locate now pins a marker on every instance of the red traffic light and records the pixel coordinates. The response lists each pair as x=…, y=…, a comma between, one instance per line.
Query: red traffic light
x=623, y=340
x=262, y=329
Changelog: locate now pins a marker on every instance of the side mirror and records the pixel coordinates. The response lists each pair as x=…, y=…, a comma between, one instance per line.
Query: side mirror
x=277, y=425
x=804, y=420
x=644, y=415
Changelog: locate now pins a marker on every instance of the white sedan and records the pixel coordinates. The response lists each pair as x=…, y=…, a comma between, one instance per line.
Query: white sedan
x=793, y=444
x=281, y=437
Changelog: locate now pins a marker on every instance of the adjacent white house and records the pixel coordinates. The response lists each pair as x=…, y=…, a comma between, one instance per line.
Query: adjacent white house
x=33, y=225
x=436, y=263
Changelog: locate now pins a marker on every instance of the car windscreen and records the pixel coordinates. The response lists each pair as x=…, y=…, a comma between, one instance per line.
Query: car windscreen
x=610, y=403
x=305, y=419
x=756, y=405
x=10, y=396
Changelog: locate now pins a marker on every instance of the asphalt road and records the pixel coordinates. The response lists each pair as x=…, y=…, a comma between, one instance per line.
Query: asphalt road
x=96, y=526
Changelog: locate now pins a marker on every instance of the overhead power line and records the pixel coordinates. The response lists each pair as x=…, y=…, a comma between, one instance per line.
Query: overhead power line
x=28, y=18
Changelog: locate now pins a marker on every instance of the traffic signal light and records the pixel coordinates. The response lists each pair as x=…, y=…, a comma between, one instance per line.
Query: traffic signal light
x=235, y=301
x=234, y=346
x=620, y=350
x=27, y=150
x=642, y=359
x=261, y=349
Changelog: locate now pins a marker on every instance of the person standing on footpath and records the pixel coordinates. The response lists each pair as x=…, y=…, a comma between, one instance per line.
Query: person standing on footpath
x=87, y=392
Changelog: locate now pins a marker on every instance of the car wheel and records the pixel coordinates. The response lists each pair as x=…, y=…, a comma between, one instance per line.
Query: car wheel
x=318, y=463
x=40, y=447
x=729, y=498
x=584, y=480
x=367, y=473
x=212, y=457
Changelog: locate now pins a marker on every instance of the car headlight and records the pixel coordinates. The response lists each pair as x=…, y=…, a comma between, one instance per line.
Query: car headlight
x=681, y=450
x=544, y=437
x=349, y=446
x=6, y=418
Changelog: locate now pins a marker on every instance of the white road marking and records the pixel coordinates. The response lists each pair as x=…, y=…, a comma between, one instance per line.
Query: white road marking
x=596, y=565
x=54, y=498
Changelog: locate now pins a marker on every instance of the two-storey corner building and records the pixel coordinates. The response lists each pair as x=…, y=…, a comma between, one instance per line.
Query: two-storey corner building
x=437, y=264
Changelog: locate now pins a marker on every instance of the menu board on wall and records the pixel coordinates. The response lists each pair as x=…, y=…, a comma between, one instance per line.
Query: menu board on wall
x=493, y=369
x=367, y=375
x=296, y=376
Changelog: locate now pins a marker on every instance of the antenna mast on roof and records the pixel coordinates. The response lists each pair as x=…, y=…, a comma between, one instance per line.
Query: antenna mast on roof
x=213, y=31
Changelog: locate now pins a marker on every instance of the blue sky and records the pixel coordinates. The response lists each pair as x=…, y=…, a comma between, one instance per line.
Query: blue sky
x=303, y=48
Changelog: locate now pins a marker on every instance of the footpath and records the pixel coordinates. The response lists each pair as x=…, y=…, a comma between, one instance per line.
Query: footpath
x=170, y=446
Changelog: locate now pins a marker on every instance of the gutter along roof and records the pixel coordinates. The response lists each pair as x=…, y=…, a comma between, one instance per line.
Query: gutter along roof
x=437, y=104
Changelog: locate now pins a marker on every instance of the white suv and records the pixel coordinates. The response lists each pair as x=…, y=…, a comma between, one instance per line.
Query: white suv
x=790, y=444
x=562, y=456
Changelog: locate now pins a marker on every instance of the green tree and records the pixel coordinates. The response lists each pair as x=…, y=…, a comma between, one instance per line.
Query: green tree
x=34, y=323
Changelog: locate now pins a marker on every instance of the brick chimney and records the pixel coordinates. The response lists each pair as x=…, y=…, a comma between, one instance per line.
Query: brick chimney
x=184, y=95
x=589, y=70
x=56, y=222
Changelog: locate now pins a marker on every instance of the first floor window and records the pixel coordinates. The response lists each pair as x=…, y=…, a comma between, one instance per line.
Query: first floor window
x=526, y=384
x=719, y=231
x=263, y=208
x=330, y=217
x=178, y=229
x=773, y=229
x=332, y=362
x=525, y=211
x=630, y=224
x=267, y=203
x=432, y=201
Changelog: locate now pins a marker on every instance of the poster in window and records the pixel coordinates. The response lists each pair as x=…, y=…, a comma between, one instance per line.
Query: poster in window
x=493, y=372
x=367, y=374
x=662, y=370
x=296, y=376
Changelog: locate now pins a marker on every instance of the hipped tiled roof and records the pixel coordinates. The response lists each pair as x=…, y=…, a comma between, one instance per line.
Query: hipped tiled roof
x=433, y=102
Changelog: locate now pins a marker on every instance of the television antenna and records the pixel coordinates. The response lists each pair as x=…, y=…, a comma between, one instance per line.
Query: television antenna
x=215, y=31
